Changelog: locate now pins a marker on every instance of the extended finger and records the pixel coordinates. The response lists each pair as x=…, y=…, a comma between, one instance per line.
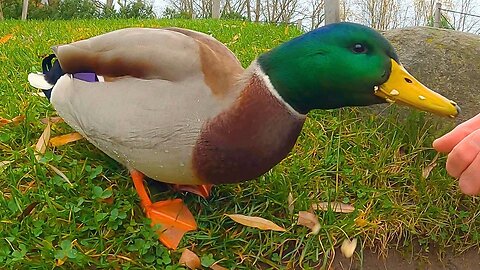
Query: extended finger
x=448, y=141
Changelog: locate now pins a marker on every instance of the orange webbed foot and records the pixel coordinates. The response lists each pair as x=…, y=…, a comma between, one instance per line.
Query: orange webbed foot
x=173, y=216
x=201, y=190
x=174, y=219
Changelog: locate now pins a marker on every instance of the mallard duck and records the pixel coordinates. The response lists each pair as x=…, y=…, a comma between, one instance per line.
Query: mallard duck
x=177, y=106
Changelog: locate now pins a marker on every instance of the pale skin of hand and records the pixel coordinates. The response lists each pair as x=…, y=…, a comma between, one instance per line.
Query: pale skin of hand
x=463, y=147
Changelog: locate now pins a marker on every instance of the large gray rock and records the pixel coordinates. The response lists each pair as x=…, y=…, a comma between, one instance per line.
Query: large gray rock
x=447, y=61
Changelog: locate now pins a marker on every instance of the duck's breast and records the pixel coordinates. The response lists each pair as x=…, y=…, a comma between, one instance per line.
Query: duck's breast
x=249, y=138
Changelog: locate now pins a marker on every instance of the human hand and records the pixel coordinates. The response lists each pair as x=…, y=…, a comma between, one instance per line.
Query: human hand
x=463, y=161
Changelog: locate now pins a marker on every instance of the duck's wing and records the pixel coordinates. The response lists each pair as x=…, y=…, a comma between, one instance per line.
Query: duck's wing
x=161, y=86
x=172, y=54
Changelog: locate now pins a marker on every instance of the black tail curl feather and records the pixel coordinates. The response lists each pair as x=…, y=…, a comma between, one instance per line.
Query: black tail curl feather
x=52, y=72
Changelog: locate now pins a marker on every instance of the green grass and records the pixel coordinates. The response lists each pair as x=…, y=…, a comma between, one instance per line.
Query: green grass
x=352, y=156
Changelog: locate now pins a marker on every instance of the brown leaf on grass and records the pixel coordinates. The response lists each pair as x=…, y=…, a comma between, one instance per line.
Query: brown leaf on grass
x=53, y=120
x=309, y=220
x=335, y=206
x=60, y=173
x=427, y=170
x=189, y=259
x=348, y=247
x=5, y=38
x=290, y=201
x=64, y=139
x=42, y=143
x=256, y=222
x=60, y=262
x=109, y=200
x=18, y=119
x=4, y=121
x=215, y=266
x=27, y=211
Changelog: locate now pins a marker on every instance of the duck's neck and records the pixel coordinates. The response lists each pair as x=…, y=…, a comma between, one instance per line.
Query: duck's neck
x=290, y=77
x=258, y=71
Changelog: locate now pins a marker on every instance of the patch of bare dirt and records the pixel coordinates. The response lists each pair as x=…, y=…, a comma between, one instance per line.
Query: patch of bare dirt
x=395, y=260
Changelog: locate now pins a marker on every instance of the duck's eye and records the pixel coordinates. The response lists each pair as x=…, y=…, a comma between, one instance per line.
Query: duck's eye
x=359, y=48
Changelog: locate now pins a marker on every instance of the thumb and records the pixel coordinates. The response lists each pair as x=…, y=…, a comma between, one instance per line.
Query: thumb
x=448, y=141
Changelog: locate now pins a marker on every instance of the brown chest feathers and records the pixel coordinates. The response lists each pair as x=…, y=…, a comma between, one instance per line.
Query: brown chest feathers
x=247, y=140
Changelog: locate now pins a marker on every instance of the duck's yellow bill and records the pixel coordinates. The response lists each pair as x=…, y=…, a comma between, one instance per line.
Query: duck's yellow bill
x=403, y=88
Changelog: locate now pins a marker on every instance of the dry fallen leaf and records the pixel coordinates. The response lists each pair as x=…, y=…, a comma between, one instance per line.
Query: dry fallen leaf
x=215, y=266
x=189, y=259
x=109, y=200
x=18, y=119
x=64, y=139
x=348, y=247
x=4, y=121
x=427, y=170
x=60, y=262
x=310, y=221
x=5, y=38
x=256, y=222
x=290, y=201
x=53, y=120
x=335, y=206
x=60, y=173
x=42, y=143
x=27, y=211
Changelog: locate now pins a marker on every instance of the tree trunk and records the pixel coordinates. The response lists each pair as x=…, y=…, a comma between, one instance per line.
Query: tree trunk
x=249, y=16
x=24, y=9
x=216, y=9
x=1, y=11
x=257, y=11
x=332, y=11
x=109, y=4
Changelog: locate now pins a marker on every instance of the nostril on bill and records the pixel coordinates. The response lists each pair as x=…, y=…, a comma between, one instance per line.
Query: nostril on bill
x=408, y=80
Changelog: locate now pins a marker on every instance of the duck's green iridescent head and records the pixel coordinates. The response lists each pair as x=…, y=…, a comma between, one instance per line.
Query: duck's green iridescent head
x=346, y=64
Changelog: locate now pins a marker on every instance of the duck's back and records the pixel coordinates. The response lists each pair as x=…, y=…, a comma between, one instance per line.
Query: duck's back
x=161, y=86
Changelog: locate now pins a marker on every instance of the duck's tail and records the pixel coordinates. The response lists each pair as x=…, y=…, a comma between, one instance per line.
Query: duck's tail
x=51, y=72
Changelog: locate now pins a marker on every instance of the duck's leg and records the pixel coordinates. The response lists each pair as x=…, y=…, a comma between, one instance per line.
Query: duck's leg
x=200, y=190
x=173, y=216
